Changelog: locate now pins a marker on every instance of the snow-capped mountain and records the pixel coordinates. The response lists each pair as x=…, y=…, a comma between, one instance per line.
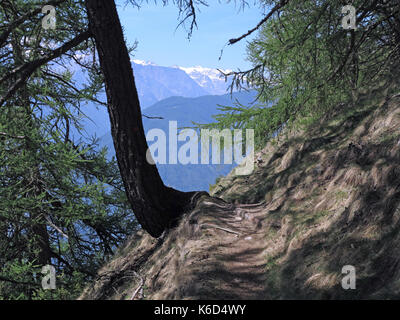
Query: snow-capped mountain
x=143, y=63
x=155, y=83
x=204, y=81
x=211, y=80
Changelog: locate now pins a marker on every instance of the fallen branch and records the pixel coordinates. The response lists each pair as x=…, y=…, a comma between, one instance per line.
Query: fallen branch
x=138, y=288
x=220, y=228
x=251, y=205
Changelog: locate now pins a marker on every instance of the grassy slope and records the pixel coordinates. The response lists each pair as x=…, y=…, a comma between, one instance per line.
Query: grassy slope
x=323, y=197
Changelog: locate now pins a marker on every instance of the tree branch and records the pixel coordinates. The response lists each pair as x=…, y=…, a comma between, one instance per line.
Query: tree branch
x=4, y=35
x=280, y=5
x=19, y=282
x=11, y=136
x=28, y=68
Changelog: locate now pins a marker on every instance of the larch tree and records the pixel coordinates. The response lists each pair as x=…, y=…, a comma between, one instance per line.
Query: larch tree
x=307, y=61
x=156, y=206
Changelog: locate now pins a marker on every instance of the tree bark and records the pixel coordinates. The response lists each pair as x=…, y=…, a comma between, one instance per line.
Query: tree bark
x=156, y=206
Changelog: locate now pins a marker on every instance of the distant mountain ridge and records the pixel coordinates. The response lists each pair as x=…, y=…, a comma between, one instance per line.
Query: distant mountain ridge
x=175, y=94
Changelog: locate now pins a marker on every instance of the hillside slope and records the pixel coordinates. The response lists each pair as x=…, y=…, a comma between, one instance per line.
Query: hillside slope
x=319, y=199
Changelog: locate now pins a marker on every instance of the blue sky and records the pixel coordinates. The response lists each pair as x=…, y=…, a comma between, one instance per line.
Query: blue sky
x=154, y=26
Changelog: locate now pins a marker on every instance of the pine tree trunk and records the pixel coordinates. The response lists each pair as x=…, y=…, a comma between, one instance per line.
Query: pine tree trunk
x=156, y=206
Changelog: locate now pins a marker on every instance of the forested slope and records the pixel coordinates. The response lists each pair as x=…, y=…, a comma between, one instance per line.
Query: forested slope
x=322, y=196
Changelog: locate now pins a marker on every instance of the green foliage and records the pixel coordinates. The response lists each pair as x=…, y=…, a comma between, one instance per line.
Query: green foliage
x=305, y=63
x=62, y=202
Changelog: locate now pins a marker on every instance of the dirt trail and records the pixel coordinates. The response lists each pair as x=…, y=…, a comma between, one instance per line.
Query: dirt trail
x=217, y=252
x=234, y=267
x=244, y=255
